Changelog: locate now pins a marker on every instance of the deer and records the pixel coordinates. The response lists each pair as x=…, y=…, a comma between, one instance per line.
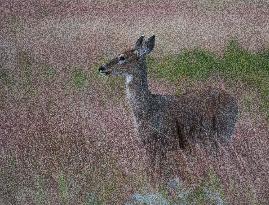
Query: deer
x=168, y=122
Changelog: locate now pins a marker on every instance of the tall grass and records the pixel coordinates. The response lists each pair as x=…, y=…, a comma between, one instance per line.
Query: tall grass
x=35, y=157
x=209, y=191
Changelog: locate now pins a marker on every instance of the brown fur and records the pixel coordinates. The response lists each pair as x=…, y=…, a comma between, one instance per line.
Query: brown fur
x=165, y=122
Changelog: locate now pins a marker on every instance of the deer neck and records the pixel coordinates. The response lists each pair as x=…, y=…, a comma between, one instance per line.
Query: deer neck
x=137, y=91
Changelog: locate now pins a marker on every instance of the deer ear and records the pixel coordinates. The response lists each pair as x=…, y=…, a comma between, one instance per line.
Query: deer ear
x=150, y=43
x=139, y=42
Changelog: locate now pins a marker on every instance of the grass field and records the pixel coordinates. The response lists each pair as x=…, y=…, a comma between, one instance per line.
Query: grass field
x=57, y=150
x=66, y=132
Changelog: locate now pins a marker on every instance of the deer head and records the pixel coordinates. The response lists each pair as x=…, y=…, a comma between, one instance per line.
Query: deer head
x=125, y=63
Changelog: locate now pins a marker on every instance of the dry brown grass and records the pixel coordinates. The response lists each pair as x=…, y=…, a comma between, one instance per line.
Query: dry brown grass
x=86, y=137
x=60, y=142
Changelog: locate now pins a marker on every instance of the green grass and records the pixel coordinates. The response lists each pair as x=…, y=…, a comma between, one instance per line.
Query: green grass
x=49, y=72
x=5, y=77
x=237, y=64
x=40, y=191
x=63, y=188
x=195, y=64
x=26, y=84
x=79, y=78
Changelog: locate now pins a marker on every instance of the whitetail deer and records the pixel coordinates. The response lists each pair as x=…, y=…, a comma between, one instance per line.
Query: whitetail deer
x=166, y=122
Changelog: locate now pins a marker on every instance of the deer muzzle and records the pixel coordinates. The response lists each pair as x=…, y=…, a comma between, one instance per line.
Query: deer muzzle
x=103, y=70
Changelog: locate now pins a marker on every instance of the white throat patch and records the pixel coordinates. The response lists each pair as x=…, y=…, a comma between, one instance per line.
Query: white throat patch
x=129, y=78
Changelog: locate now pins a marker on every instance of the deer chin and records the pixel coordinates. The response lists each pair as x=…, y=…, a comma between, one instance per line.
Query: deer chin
x=105, y=72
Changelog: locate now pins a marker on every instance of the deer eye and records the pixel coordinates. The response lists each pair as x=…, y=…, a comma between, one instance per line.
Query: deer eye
x=121, y=59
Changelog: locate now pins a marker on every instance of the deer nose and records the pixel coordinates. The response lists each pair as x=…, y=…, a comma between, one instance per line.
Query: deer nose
x=102, y=68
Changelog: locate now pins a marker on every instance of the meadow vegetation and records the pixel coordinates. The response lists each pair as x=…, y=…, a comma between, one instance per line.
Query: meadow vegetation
x=236, y=64
x=68, y=173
